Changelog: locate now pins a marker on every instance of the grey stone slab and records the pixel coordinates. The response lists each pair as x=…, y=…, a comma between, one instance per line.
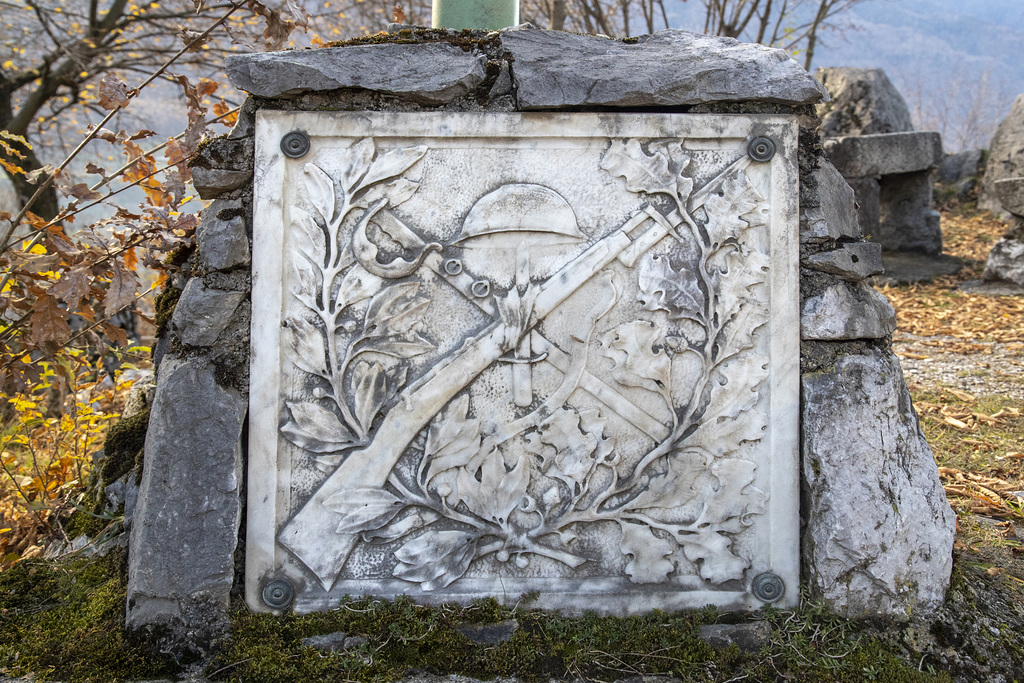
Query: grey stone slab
x=878, y=535
x=185, y=528
x=884, y=154
x=906, y=220
x=1005, y=262
x=542, y=316
x=490, y=634
x=211, y=183
x=853, y=261
x=827, y=208
x=864, y=102
x=670, y=68
x=202, y=313
x=1005, y=158
x=431, y=73
x=222, y=240
x=1010, y=193
x=846, y=311
x=223, y=165
x=867, y=191
x=747, y=637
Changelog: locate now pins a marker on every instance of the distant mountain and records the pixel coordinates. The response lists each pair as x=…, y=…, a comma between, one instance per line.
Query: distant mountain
x=959, y=63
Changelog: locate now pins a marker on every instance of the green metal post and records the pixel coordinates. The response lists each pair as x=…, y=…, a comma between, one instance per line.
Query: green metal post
x=482, y=14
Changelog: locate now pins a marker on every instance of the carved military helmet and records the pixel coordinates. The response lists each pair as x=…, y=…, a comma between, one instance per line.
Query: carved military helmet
x=503, y=218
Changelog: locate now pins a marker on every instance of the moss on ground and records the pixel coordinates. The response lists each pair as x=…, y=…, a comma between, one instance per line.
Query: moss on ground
x=402, y=638
x=65, y=621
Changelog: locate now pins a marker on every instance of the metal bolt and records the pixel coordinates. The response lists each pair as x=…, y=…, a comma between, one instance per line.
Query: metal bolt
x=761, y=149
x=480, y=288
x=278, y=594
x=767, y=587
x=453, y=266
x=295, y=145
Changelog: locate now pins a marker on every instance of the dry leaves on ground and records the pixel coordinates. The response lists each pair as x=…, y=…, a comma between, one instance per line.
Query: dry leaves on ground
x=971, y=319
x=984, y=495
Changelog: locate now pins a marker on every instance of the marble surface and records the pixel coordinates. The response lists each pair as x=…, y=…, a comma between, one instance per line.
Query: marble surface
x=502, y=353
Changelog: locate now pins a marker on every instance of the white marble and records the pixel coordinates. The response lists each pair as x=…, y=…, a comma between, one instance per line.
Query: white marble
x=501, y=353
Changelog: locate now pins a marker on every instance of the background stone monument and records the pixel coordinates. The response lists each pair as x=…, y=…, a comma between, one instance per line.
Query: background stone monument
x=871, y=140
x=600, y=305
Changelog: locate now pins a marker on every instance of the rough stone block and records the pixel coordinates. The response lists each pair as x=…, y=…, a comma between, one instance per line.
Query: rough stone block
x=846, y=311
x=853, y=261
x=202, y=313
x=884, y=154
x=1005, y=262
x=668, y=68
x=222, y=241
x=878, y=533
x=223, y=165
x=829, y=211
x=864, y=102
x=867, y=192
x=1006, y=156
x=185, y=529
x=1011, y=195
x=431, y=73
x=490, y=634
x=906, y=220
x=747, y=637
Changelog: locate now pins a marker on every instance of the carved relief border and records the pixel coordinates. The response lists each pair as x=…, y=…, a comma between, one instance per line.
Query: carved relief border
x=647, y=456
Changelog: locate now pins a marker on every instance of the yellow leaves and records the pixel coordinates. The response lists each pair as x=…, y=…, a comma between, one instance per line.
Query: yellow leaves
x=9, y=64
x=984, y=495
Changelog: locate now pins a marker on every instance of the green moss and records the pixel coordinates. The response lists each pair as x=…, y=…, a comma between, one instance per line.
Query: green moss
x=66, y=622
x=402, y=637
x=467, y=39
x=164, y=305
x=123, y=446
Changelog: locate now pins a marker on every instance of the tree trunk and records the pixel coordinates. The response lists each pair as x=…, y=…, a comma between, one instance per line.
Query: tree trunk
x=557, y=14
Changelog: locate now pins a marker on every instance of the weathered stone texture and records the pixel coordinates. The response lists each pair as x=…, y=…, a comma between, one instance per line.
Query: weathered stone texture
x=867, y=191
x=827, y=208
x=431, y=73
x=1010, y=193
x=864, y=102
x=844, y=312
x=906, y=220
x=1005, y=262
x=555, y=69
x=879, y=533
x=1006, y=156
x=223, y=165
x=877, y=155
x=181, y=557
x=203, y=313
x=222, y=241
x=853, y=261
x=958, y=167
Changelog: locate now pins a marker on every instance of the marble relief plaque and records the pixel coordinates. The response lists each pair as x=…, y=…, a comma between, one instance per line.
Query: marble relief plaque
x=498, y=353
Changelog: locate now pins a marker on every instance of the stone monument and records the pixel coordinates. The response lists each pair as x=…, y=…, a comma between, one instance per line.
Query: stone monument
x=507, y=330
x=871, y=140
x=1005, y=159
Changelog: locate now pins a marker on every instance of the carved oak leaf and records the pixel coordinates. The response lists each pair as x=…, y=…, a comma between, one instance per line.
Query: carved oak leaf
x=397, y=191
x=393, y=531
x=739, y=331
x=436, y=558
x=307, y=342
x=637, y=364
x=363, y=508
x=642, y=172
x=316, y=429
x=679, y=162
x=498, y=492
x=731, y=395
x=712, y=550
x=573, y=453
x=675, y=486
x=453, y=441
x=734, y=274
x=738, y=207
x=649, y=553
x=353, y=164
x=391, y=164
x=320, y=191
x=665, y=289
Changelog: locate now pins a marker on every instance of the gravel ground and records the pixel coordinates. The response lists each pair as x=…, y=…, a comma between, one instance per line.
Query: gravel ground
x=983, y=369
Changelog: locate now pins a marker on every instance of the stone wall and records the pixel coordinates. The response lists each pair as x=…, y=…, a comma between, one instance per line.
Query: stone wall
x=877, y=532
